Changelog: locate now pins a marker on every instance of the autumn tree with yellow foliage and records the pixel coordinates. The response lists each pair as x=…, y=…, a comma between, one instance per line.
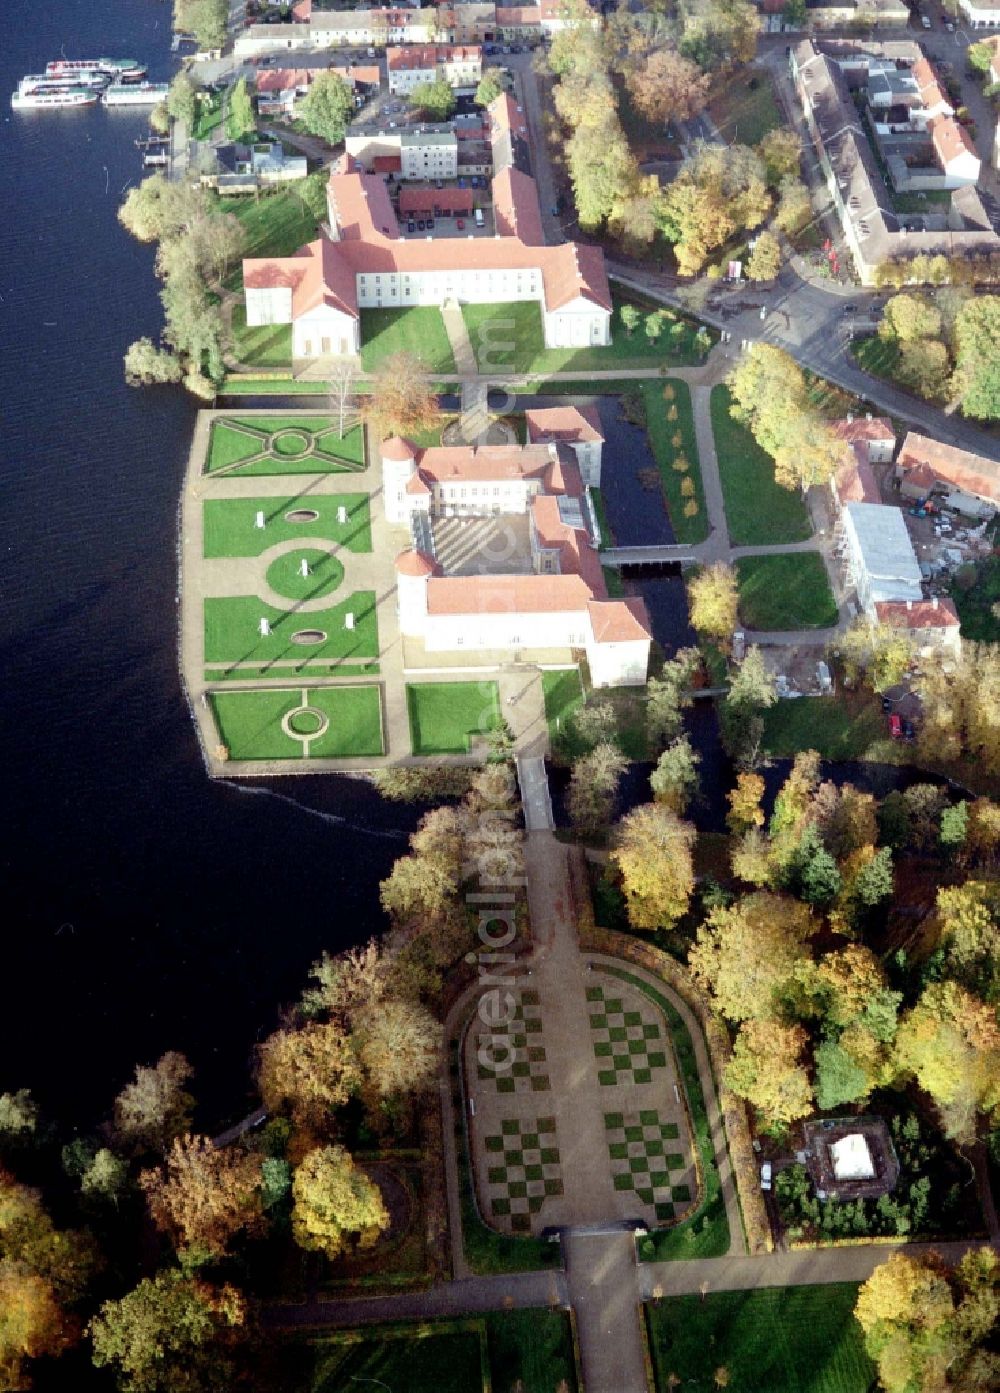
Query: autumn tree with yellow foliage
x=652, y=854
x=336, y=1205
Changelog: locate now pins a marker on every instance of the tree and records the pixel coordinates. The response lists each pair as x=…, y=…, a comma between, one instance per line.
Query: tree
x=240, y=119
x=173, y=1331
x=146, y=364
x=713, y=598
x=765, y=260
x=977, y=357
x=327, y=107
x=343, y=386
x=400, y=401
x=751, y=692
x=594, y=723
x=983, y=838
x=812, y=871
x=950, y=1042
x=182, y=99
x=908, y=318
x=968, y=921
x=630, y=316
x=105, y=1177
x=674, y=781
x=844, y=818
x=745, y=812
x=18, y=1117
x=155, y=209
x=335, y=1203
x=668, y=694
x=424, y=884
x=204, y=1196
x=767, y=1071
x=435, y=100
x=31, y=1324
x=745, y=953
x=667, y=87
x=490, y=87
x=652, y=853
x=875, y=653
x=593, y=785
x=961, y=705
x=924, y=367
x=205, y=19
x=310, y=1071
x=781, y=151
x=954, y=826
x=156, y=1107
x=980, y=56
x=398, y=1044
x=839, y=1078
x=654, y=325
x=771, y=397
x=794, y=208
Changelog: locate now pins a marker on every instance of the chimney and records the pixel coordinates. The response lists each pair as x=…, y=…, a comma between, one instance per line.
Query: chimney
x=934, y=602
x=850, y=418
x=909, y=604
x=868, y=415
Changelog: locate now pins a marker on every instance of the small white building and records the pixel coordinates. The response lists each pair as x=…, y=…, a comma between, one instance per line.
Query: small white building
x=422, y=151
x=460, y=65
x=852, y=1159
x=579, y=427
x=955, y=151
x=880, y=555
x=981, y=14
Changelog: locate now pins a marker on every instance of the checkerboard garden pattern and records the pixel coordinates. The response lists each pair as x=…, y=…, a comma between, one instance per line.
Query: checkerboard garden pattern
x=628, y=1043
x=645, y=1159
x=523, y=1170
x=523, y=1070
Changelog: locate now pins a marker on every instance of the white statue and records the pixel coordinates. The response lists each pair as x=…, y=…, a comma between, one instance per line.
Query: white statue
x=265, y=628
x=348, y=620
x=259, y=522
x=303, y=567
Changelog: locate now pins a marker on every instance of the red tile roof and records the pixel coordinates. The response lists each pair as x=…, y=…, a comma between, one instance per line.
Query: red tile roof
x=506, y=115
x=619, y=621
x=485, y=463
x=919, y=614
x=396, y=448
x=431, y=55
x=515, y=207
x=856, y=482
x=577, y=556
x=387, y=164
x=506, y=594
x=567, y=424
x=416, y=198
x=519, y=14
x=950, y=139
x=875, y=428
x=316, y=274
x=283, y=79
x=933, y=461
x=302, y=11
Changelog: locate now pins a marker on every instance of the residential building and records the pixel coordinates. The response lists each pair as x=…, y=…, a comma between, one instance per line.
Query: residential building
x=460, y=65
x=962, y=480
x=560, y=603
x=872, y=436
x=234, y=168
x=365, y=263
x=981, y=14
x=924, y=153
x=930, y=623
x=508, y=133
x=424, y=150
x=880, y=556
x=579, y=427
x=279, y=90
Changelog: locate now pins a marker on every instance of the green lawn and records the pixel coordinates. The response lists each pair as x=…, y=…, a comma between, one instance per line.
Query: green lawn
x=601, y=513
x=208, y=118
x=758, y=511
x=745, y=109
x=236, y=385
x=776, y=1340
x=443, y=1357
x=976, y=606
x=267, y=445
x=419, y=330
x=531, y=1349
x=231, y=523
x=879, y=357
x=930, y=201
x=563, y=693
x=705, y=1233
x=266, y=346
x=277, y=224
x=445, y=716
x=846, y=726
x=788, y=591
x=324, y=574
x=250, y=723
x=662, y=432
x=232, y=631
x=509, y=337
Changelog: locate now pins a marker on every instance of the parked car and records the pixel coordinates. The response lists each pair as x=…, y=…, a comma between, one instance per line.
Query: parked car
x=411, y=226
x=765, y=1176
x=886, y=705
x=460, y=224
x=924, y=22
x=430, y=224
x=420, y=225
x=908, y=731
x=896, y=727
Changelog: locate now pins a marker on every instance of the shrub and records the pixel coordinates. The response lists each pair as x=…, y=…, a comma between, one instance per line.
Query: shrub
x=680, y=464
x=691, y=508
x=687, y=487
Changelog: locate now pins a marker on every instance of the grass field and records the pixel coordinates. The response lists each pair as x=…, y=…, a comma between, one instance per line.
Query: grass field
x=232, y=630
x=277, y=224
x=267, y=445
x=662, y=432
x=324, y=574
x=250, y=723
x=231, y=523
x=509, y=338
x=705, y=1233
x=531, y=1349
x=777, y=1340
x=880, y=357
x=563, y=693
x=744, y=109
x=419, y=330
x=788, y=591
x=445, y=716
x=846, y=726
x=448, y=1358
x=976, y=606
x=758, y=511
x=264, y=346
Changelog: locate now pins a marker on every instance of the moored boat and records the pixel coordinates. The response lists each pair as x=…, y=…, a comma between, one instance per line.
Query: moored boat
x=29, y=98
x=117, y=68
x=135, y=93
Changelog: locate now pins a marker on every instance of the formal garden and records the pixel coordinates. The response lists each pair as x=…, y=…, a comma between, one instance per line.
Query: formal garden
x=243, y=630
x=305, y=723
x=447, y=717
x=249, y=526
x=267, y=445
x=779, y=1339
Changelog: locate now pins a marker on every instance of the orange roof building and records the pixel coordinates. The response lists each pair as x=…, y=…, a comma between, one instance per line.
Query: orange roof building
x=559, y=601
x=366, y=264
x=579, y=427
x=971, y=482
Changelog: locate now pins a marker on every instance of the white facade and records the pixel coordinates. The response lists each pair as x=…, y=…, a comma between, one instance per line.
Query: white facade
x=422, y=155
x=462, y=67
x=980, y=16
x=579, y=324
x=880, y=555
x=325, y=331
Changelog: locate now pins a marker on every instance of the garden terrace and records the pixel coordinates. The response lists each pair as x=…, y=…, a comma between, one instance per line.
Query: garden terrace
x=268, y=445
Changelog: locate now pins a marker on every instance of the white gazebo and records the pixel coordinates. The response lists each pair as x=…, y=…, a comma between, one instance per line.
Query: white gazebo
x=852, y=1159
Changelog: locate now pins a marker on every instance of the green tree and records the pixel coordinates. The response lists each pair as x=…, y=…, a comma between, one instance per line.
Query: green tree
x=173, y=1332
x=839, y=1078
x=781, y=151
x=674, y=781
x=18, y=1117
x=106, y=1176
x=205, y=19
x=156, y=1106
x=875, y=653
x=146, y=364
x=980, y=55
x=668, y=694
x=766, y=1069
x=335, y=1203
x=764, y=262
x=182, y=99
x=490, y=87
x=713, y=597
x=240, y=119
x=436, y=100
x=909, y=317
x=950, y=1041
x=327, y=107
x=630, y=317
x=652, y=853
x=976, y=380
x=954, y=826
x=745, y=953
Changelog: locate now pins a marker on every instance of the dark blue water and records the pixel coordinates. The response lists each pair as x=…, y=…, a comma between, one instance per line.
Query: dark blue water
x=146, y=908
